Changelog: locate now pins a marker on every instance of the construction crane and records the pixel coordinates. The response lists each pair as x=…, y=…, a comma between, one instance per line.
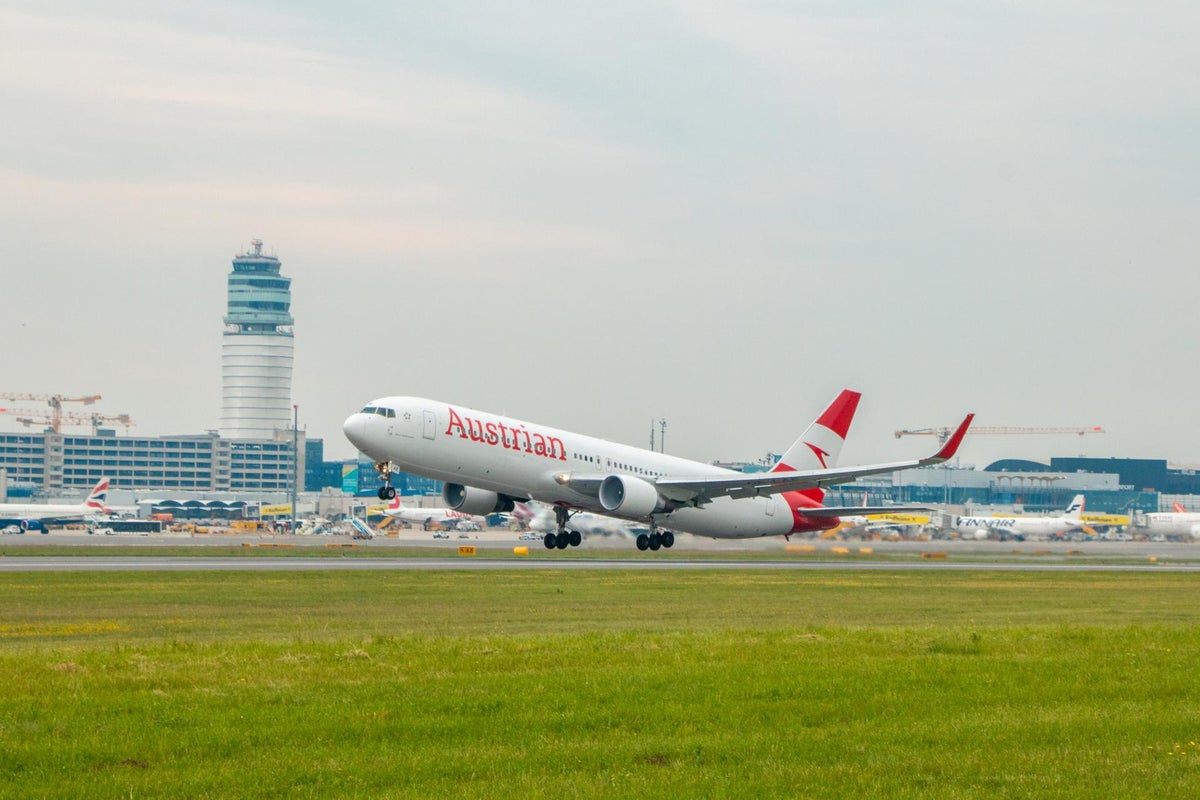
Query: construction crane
x=30, y=418
x=943, y=434
x=55, y=402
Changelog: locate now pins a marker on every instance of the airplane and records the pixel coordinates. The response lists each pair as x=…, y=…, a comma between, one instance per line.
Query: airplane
x=1023, y=527
x=427, y=516
x=889, y=524
x=489, y=463
x=26, y=515
x=1179, y=522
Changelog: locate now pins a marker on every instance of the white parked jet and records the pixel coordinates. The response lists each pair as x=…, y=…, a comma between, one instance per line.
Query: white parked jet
x=489, y=463
x=427, y=516
x=542, y=519
x=1173, y=523
x=25, y=514
x=1023, y=527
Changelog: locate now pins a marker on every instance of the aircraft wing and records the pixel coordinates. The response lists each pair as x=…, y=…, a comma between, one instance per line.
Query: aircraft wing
x=700, y=490
x=703, y=489
x=850, y=511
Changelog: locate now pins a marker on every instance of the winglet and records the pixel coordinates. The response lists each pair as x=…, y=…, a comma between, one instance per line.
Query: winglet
x=951, y=446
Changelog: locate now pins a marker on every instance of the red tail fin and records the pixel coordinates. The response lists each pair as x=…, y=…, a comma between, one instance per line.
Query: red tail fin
x=819, y=446
x=821, y=443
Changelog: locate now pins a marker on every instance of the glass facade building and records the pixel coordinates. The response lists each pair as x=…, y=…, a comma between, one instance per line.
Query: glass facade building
x=52, y=462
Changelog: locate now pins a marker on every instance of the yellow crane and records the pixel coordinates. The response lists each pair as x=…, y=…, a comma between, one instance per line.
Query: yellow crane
x=943, y=434
x=55, y=402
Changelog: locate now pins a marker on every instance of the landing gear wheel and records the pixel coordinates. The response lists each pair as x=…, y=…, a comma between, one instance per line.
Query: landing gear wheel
x=549, y=541
x=386, y=492
x=576, y=538
x=643, y=542
x=668, y=539
x=562, y=540
x=655, y=541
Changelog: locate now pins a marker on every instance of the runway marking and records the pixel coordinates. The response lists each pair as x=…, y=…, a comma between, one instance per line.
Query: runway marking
x=234, y=564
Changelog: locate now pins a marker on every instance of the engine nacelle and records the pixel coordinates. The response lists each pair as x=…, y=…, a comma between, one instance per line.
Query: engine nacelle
x=631, y=497
x=477, y=502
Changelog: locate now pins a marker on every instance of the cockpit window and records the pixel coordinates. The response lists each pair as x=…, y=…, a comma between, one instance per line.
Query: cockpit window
x=380, y=411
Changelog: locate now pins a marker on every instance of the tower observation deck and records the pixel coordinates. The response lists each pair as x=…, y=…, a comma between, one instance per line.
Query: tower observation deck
x=257, y=349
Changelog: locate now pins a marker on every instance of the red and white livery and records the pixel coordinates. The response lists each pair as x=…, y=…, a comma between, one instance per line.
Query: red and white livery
x=27, y=515
x=489, y=463
x=415, y=515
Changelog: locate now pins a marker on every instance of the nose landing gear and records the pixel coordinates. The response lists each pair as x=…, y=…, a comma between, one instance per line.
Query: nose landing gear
x=386, y=492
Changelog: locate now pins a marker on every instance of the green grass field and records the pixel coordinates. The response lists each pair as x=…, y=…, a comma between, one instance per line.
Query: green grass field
x=724, y=683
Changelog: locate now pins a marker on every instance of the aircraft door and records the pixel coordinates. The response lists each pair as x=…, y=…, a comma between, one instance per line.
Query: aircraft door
x=430, y=425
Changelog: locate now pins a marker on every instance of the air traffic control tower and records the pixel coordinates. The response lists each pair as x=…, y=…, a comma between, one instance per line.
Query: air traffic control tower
x=257, y=349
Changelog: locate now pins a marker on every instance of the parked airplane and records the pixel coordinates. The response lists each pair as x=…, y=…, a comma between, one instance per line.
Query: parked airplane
x=428, y=516
x=890, y=524
x=541, y=519
x=1179, y=522
x=489, y=463
x=1023, y=527
x=25, y=515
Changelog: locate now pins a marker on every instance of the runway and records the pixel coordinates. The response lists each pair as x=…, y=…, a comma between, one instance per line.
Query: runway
x=284, y=564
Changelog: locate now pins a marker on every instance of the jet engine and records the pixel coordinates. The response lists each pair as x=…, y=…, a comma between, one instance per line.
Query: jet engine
x=477, y=502
x=631, y=497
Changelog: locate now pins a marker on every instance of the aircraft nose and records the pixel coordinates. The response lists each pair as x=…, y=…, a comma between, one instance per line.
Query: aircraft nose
x=355, y=428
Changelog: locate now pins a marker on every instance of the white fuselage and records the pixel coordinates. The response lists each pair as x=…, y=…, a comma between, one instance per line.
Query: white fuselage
x=1168, y=523
x=31, y=512
x=521, y=459
x=423, y=516
x=1025, y=527
x=583, y=522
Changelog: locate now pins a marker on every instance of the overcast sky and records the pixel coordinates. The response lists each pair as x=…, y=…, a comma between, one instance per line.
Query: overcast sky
x=592, y=215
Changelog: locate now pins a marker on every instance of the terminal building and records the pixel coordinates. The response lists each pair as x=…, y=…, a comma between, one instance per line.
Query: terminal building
x=59, y=463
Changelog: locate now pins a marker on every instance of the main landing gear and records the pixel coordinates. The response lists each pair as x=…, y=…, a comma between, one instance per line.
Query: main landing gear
x=563, y=538
x=386, y=492
x=654, y=540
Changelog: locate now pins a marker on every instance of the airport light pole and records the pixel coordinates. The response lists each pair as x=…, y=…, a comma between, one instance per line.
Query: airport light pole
x=295, y=462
